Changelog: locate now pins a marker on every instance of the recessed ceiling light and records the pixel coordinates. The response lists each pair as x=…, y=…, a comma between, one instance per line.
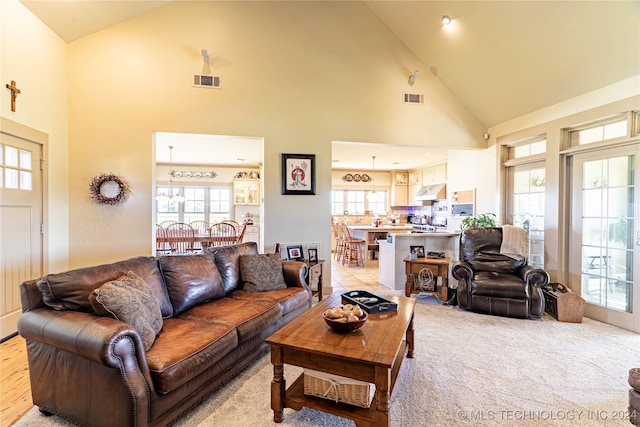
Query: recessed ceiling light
x=446, y=20
x=427, y=154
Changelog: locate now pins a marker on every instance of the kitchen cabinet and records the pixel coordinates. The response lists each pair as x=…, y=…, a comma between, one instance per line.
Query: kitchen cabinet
x=415, y=177
x=246, y=192
x=399, y=190
x=434, y=174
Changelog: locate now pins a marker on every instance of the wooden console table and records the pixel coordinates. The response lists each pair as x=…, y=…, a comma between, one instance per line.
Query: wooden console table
x=314, y=276
x=438, y=266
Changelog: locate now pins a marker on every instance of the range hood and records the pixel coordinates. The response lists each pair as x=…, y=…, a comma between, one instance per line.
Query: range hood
x=431, y=192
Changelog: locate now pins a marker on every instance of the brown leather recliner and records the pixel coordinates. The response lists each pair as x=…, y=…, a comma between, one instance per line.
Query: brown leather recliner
x=495, y=282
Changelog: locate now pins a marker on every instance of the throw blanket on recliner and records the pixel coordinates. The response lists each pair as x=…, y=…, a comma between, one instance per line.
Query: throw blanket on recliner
x=515, y=240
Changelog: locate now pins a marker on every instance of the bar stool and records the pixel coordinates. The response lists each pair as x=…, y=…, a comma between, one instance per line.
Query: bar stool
x=353, y=248
x=337, y=234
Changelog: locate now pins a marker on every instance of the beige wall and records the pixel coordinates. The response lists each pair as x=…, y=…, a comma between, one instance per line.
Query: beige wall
x=298, y=74
x=36, y=58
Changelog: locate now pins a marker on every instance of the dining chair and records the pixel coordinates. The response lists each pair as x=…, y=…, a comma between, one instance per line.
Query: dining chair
x=162, y=245
x=223, y=234
x=337, y=235
x=240, y=236
x=164, y=224
x=235, y=224
x=181, y=237
x=202, y=229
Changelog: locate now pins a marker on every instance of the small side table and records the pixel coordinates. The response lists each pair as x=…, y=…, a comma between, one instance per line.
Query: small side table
x=315, y=276
x=438, y=266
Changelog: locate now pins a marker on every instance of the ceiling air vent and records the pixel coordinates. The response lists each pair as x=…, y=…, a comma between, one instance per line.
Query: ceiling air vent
x=413, y=98
x=207, y=81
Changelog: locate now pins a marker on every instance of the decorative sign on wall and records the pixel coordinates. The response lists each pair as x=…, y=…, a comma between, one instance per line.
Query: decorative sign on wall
x=356, y=177
x=191, y=174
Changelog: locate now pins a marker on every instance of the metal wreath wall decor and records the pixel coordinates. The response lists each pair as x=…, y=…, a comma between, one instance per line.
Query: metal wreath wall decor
x=109, y=189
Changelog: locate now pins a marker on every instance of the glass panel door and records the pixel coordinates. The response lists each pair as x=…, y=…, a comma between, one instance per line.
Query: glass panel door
x=604, y=244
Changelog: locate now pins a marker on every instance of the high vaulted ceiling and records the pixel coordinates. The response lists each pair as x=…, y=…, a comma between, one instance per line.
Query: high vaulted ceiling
x=502, y=59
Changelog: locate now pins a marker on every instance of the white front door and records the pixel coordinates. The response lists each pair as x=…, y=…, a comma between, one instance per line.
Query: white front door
x=605, y=234
x=21, y=241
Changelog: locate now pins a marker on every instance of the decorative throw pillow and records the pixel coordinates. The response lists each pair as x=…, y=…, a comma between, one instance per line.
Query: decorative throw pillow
x=262, y=272
x=130, y=300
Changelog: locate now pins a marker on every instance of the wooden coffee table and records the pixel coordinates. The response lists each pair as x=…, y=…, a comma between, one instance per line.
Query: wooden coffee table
x=373, y=353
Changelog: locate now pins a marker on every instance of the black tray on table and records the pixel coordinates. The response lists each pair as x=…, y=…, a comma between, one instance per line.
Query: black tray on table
x=371, y=303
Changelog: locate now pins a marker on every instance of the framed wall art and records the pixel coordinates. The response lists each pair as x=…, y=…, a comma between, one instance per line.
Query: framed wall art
x=299, y=174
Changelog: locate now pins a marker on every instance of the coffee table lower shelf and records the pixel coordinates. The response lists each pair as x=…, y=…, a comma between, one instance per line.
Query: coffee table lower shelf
x=295, y=398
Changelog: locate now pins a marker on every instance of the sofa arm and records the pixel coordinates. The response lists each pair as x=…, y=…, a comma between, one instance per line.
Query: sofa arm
x=295, y=274
x=534, y=277
x=103, y=340
x=463, y=273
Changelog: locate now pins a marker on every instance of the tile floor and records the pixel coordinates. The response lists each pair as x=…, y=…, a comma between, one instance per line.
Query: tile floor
x=357, y=278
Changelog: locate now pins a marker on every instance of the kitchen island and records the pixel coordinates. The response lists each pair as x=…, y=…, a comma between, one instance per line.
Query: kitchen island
x=392, y=254
x=373, y=235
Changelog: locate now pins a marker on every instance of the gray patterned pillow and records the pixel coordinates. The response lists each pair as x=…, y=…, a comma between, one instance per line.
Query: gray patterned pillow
x=130, y=300
x=262, y=272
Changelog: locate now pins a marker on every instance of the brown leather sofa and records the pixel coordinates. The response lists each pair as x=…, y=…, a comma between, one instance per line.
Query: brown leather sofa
x=493, y=282
x=94, y=370
x=634, y=396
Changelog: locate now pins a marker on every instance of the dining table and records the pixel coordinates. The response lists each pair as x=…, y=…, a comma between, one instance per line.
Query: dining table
x=205, y=239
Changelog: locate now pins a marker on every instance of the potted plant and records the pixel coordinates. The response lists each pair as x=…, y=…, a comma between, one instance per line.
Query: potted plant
x=479, y=221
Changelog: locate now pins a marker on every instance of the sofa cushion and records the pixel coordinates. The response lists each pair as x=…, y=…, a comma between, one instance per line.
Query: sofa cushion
x=503, y=285
x=490, y=261
x=70, y=290
x=130, y=300
x=262, y=272
x=288, y=299
x=184, y=349
x=190, y=280
x=248, y=317
x=227, y=260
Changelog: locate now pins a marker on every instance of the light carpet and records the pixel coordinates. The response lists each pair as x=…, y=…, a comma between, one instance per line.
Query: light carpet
x=468, y=369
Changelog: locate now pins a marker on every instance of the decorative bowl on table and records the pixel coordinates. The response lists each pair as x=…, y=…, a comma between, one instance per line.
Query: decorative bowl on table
x=345, y=318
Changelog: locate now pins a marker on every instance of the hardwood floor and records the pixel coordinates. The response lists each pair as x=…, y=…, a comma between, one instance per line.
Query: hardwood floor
x=15, y=389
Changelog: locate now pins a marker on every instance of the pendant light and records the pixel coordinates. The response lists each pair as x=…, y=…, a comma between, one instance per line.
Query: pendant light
x=171, y=197
x=373, y=196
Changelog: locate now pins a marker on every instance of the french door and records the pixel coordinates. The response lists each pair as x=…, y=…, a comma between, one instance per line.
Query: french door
x=605, y=235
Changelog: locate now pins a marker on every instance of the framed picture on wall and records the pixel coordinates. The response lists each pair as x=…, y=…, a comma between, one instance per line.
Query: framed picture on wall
x=299, y=174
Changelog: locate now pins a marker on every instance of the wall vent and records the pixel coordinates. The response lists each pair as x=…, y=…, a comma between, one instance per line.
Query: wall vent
x=207, y=81
x=413, y=98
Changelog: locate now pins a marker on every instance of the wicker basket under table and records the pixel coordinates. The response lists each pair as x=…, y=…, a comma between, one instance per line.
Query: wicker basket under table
x=338, y=389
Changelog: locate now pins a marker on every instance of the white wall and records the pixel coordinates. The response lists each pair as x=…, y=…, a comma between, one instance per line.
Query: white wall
x=36, y=58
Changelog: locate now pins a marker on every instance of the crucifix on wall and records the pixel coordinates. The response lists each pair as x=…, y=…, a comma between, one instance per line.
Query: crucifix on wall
x=14, y=93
